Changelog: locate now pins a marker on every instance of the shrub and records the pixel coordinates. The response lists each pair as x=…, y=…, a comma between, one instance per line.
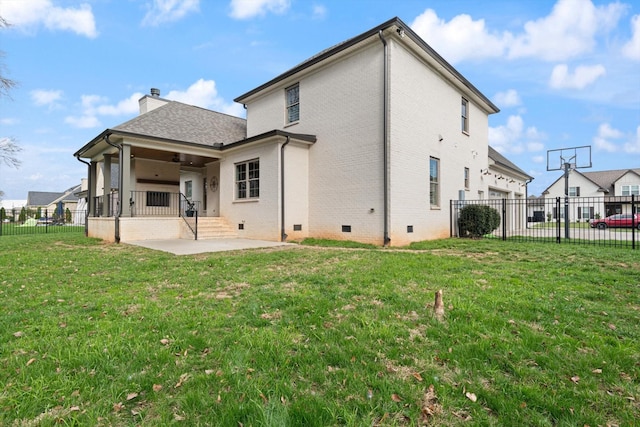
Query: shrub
x=478, y=220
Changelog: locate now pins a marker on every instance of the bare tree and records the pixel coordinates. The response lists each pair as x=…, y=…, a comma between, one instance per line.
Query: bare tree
x=8, y=151
x=8, y=146
x=6, y=84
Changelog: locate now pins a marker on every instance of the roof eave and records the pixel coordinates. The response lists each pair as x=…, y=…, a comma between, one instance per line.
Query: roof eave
x=491, y=107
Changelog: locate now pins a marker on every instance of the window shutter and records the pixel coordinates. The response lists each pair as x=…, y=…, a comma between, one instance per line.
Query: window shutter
x=577, y=191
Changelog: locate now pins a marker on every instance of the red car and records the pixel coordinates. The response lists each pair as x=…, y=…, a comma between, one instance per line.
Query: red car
x=619, y=220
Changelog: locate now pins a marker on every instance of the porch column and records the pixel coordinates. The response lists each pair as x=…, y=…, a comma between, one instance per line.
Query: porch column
x=125, y=184
x=106, y=186
x=91, y=191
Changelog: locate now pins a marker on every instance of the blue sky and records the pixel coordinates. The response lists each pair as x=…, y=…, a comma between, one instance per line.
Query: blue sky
x=564, y=73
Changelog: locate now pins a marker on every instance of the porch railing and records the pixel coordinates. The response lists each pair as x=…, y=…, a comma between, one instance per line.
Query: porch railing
x=106, y=205
x=160, y=203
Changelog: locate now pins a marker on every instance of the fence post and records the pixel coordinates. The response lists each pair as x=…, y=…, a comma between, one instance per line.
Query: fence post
x=557, y=219
x=504, y=219
x=450, y=218
x=46, y=221
x=634, y=225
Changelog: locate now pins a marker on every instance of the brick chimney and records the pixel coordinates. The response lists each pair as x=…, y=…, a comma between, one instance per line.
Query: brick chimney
x=151, y=102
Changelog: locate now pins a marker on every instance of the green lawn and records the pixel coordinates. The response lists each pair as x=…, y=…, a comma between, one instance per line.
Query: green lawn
x=103, y=334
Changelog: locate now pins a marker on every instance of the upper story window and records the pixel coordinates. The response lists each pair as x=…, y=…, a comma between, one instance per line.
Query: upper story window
x=434, y=182
x=248, y=180
x=466, y=178
x=465, y=115
x=574, y=191
x=293, y=103
x=628, y=190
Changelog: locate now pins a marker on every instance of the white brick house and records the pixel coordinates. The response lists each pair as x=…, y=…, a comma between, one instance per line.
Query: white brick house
x=601, y=193
x=368, y=141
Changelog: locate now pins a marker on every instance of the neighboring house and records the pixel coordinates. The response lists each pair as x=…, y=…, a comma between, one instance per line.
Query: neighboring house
x=601, y=193
x=368, y=140
x=53, y=202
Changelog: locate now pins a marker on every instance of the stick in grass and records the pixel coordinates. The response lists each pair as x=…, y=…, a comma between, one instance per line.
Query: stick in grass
x=438, y=307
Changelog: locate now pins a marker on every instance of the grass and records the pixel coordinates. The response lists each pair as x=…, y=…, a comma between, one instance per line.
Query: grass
x=103, y=334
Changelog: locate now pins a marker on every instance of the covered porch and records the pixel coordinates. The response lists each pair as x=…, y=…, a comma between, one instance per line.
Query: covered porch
x=144, y=187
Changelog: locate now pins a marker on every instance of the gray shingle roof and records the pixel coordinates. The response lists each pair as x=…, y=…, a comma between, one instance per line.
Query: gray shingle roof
x=603, y=179
x=607, y=179
x=42, y=198
x=502, y=160
x=181, y=122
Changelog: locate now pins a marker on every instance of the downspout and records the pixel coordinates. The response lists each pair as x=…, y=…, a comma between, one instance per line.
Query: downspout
x=120, y=199
x=283, y=236
x=385, y=155
x=89, y=196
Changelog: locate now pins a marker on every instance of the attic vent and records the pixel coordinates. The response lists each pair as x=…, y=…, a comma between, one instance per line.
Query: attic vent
x=155, y=92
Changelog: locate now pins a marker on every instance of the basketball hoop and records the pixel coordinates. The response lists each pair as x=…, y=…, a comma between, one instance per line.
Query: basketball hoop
x=566, y=159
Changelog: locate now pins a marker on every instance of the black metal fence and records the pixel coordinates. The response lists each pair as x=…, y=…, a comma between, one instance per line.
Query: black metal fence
x=38, y=221
x=606, y=221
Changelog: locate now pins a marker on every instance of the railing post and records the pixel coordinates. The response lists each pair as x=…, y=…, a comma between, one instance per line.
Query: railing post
x=558, y=220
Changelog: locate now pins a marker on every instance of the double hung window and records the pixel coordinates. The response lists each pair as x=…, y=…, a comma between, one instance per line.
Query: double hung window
x=293, y=103
x=248, y=180
x=465, y=115
x=434, y=182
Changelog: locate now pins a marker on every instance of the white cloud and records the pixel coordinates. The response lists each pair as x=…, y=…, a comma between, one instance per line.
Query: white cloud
x=96, y=105
x=459, y=39
x=42, y=97
x=538, y=159
x=535, y=146
x=162, y=11
x=8, y=121
x=507, y=99
x=569, y=30
x=603, y=140
x=632, y=48
x=245, y=9
x=203, y=93
x=633, y=146
x=28, y=15
x=126, y=106
x=83, y=122
x=583, y=76
x=513, y=137
x=319, y=11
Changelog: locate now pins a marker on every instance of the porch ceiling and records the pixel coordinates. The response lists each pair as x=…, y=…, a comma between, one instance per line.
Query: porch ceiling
x=193, y=160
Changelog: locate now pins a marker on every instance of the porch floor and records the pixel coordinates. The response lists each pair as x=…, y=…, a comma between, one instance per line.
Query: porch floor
x=191, y=247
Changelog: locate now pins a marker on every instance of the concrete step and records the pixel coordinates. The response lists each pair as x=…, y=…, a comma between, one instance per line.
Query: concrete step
x=211, y=228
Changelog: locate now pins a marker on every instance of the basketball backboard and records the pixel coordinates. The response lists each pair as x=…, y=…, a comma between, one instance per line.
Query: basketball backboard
x=577, y=157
